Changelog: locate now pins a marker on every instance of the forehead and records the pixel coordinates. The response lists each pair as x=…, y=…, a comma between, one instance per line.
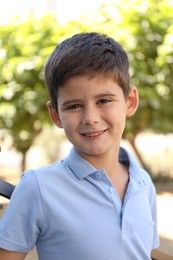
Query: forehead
x=85, y=86
x=86, y=79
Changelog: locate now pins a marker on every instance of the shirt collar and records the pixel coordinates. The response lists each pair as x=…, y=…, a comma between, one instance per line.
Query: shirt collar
x=135, y=171
x=76, y=162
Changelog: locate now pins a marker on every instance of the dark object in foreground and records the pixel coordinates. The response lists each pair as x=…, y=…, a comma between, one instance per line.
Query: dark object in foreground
x=6, y=189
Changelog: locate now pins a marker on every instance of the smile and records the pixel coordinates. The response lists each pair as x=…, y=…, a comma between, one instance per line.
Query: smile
x=94, y=134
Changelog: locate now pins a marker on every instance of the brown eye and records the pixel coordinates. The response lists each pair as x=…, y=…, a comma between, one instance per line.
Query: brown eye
x=74, y=106
x=103, y=101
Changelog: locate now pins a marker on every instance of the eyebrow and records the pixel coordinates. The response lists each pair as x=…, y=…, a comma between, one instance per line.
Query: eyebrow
x=106, y=94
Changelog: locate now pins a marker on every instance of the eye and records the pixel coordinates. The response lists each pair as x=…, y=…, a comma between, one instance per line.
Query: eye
x=74, y=106
x=104, y=101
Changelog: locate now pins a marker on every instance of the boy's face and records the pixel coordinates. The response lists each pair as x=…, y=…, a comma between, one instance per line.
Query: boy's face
x=93, y=112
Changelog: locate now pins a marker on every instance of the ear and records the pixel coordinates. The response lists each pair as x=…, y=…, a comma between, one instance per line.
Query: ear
x=54, y=115
x=132, y=102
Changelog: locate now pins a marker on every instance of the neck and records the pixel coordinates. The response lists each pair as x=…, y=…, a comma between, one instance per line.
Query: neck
x=117, y=173
x=108, y=162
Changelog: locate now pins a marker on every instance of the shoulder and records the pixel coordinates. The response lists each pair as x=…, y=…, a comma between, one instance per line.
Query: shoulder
x=43, y=181
x=44, y=172
x=56, y=168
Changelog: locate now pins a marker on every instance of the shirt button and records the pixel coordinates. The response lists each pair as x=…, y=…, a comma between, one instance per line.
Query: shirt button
x=127, y=228
x=111, y=190
x=98, y=175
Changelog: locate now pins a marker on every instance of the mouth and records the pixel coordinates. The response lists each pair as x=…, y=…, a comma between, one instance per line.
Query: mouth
x=94, y=133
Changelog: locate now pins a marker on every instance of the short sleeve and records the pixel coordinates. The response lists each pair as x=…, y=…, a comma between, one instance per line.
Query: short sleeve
x=154, y=216
x=22, y=220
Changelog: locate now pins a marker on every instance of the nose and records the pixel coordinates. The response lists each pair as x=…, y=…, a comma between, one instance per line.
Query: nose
x=90, y=116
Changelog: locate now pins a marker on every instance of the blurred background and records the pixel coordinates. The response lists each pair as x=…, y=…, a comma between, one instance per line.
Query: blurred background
x=29, y=31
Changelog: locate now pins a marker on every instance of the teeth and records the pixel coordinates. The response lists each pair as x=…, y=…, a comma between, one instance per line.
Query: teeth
x=93, y=134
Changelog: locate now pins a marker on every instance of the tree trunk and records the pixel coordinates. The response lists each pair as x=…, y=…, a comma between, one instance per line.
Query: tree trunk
x=23, y=162
x=138, y=154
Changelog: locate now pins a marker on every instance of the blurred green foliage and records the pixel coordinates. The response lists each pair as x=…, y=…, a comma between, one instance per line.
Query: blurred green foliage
x=145, y=30
x=24, y=48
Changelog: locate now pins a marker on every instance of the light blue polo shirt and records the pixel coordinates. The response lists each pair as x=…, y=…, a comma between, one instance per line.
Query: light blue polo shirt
x=71, y=211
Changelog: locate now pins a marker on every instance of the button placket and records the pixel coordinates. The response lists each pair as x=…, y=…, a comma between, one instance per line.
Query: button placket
x=98, y=175
x=102, y=179
x=111, y=190
x=126, y=228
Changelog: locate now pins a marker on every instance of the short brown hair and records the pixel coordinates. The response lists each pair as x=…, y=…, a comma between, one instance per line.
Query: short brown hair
x=86, y=54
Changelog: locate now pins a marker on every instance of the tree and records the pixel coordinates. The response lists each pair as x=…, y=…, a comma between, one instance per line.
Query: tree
x=145, y=30
x=24, y=48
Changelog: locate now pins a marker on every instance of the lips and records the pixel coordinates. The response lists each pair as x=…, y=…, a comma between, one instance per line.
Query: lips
x=94, y=133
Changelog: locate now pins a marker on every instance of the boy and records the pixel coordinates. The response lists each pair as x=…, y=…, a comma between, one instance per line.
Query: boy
x=97, y=203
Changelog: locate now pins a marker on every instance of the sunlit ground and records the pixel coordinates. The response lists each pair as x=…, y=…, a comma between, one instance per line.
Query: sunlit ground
x=165, y=214
x=165, y=224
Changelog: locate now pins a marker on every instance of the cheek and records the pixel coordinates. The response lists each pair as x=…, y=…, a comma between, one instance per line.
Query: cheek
x=68, y=132
x=117, y=120
x=69, y=124
x=115, y=115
